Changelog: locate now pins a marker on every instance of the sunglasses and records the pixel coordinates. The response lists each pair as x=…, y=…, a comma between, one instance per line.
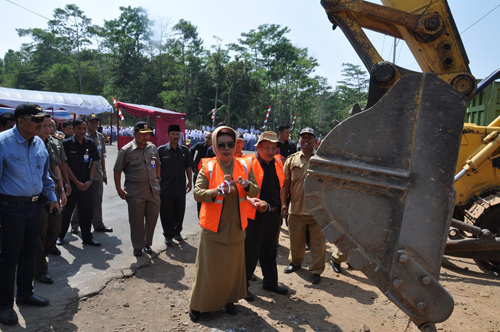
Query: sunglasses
x=228, y=145
x=34, y=119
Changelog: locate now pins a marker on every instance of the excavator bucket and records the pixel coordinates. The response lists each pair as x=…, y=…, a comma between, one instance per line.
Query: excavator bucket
x=381, y=188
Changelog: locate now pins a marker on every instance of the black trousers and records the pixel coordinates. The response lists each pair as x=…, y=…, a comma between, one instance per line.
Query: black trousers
x=85, y=212
x=172, y=211
x=20, y=228
x=261, y=244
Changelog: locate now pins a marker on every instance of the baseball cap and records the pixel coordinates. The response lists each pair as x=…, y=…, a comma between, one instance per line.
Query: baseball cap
x=29, y=109
x=93, y=117
x=142, y=127
x=239, y=135
x=268, y=136
x=308, y=130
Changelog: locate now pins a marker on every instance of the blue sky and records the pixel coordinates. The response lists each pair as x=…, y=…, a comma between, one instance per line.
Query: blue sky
x=307, y=20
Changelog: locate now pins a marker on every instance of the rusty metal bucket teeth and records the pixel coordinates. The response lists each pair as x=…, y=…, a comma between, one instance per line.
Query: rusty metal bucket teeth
x=381, y=187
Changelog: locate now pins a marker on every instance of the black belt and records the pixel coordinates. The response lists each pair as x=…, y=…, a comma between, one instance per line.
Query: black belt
x=24, y=199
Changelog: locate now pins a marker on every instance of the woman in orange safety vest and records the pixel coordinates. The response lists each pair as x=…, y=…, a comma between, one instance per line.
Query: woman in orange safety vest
x=222, y=186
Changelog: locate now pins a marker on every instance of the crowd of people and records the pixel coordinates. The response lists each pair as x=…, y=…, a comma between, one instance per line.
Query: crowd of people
x=242, y=199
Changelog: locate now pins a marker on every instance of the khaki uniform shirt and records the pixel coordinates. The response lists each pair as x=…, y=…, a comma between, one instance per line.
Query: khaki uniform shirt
x=139, y=166
x=54, y=159
x=60, y=149
x=98, y=139
x=295, y=168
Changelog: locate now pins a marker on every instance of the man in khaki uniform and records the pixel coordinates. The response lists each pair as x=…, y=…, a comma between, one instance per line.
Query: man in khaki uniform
x=300, y=215
x=51, y=222
x=141, y=165
x=100, y=178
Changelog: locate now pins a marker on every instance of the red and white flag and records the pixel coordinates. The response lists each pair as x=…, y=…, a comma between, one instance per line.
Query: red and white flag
x=293, y=122
x=119, y=110
x=114, y=104
x=267, y=116
x=213, y=114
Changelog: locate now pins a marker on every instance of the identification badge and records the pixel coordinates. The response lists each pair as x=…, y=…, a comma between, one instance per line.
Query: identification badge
x=153, y=163
x=99, y=149
x=86, y=158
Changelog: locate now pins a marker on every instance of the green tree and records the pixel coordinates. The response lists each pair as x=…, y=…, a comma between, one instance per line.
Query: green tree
x=354, y=87
x=125, y=39
x=45, y=50
x=72, y=26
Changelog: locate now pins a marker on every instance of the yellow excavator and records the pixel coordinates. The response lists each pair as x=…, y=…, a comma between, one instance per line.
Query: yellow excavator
x=382, y=184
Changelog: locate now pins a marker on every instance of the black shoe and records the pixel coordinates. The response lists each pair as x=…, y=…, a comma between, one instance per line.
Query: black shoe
x=60, y=241
x=137, y=252
x=168, y=241
x=8, y=316
x=291, y=268
x=74, y=230
x=104, y=229
x=315, y=278
x=148, y=250
x=55, y=251
x=249, y=297
x=92, y=242
x=336, y=267
x=231, y=309
x=35, y=300
x=45, y=279
x=178, y=238
x=276, y=289
x=194, y=315
x=253, y=277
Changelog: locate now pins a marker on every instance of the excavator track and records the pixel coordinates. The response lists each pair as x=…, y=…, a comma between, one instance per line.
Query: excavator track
x=485, y=213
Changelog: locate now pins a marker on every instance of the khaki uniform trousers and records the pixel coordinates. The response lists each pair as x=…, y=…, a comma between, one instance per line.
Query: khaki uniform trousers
x=297, y=229
x=49, y=232
x=142, y=216
x=97, y=192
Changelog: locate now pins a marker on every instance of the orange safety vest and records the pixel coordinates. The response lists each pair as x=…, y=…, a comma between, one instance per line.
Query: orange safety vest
x=259, y=176
x=210, y=212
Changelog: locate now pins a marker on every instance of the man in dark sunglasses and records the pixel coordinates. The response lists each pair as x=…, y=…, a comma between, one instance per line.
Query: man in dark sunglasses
x=25, y=185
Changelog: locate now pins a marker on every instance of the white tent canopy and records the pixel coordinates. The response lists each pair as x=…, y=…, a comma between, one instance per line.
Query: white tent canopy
x=71, y=102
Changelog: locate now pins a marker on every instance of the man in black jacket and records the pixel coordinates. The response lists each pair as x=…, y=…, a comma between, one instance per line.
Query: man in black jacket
x=285, y=147
x=176, y=164
x=82, y=156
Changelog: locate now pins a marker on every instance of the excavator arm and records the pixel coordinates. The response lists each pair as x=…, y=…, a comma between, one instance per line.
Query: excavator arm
x=428, y=29
x=381, y=184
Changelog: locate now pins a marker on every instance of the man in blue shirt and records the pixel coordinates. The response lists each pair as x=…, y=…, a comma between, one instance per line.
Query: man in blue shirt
x=25, y=185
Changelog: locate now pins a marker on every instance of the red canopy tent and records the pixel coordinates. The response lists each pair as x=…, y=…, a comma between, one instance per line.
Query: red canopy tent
x=163, y=118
